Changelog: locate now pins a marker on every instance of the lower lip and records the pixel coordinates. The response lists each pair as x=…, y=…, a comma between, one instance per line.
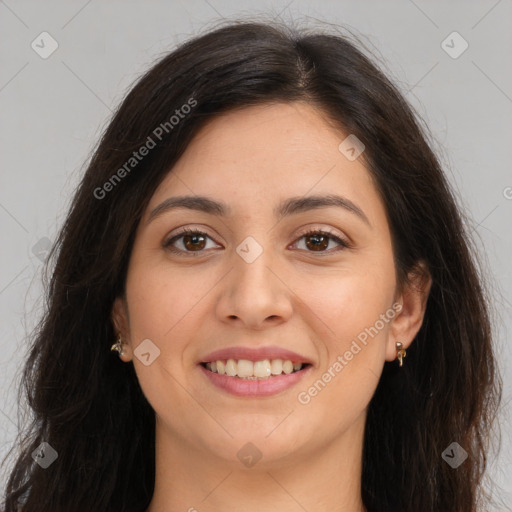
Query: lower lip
x=254, y=388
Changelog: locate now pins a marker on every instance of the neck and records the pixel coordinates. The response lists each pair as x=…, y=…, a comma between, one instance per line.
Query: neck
x=326, y=479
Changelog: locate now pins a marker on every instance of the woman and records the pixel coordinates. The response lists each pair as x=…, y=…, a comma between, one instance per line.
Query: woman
x=267, y=240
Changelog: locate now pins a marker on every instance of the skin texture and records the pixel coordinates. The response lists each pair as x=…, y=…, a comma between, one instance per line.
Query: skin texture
x=290, y=296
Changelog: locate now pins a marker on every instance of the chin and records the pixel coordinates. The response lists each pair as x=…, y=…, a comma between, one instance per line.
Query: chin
x=263, y=438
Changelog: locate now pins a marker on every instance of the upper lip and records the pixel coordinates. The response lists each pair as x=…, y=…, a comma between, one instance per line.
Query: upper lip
x=255, y=354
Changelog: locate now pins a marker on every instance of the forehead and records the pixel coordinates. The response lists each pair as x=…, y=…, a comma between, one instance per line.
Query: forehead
x=268, y=135
x=257, y=156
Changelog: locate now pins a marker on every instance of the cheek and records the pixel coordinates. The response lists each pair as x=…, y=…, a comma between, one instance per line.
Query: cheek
x=164, y=305
x=348, y=302
x=355, y=309
x=162, y=300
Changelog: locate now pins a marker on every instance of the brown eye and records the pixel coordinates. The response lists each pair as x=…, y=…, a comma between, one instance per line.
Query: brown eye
x=192, y=242
x=318, y=241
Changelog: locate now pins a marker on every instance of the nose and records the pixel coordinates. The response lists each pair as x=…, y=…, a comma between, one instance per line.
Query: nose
x=254, y=295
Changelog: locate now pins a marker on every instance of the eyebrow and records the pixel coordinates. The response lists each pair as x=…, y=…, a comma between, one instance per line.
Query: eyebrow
x=286, y=208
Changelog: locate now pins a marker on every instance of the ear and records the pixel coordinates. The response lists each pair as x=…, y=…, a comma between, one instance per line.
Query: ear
x=413, y=299
x=121, y=322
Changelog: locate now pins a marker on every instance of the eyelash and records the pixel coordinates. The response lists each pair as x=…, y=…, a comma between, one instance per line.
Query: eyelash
x=187, y=231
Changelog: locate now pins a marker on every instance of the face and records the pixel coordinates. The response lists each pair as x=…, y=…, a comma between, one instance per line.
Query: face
x=259, y=283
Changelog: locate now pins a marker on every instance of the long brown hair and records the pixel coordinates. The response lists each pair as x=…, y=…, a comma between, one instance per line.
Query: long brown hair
x=90, y=408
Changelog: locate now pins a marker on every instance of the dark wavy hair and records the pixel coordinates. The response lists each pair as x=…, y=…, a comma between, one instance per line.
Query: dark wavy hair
x=91, y=409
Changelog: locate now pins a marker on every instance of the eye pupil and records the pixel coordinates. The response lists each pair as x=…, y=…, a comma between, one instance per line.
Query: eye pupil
x=195, y=241
x=194, y=237
x=318, y=245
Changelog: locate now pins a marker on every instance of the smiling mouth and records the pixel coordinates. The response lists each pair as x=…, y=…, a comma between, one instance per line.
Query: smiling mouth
x=245, y=369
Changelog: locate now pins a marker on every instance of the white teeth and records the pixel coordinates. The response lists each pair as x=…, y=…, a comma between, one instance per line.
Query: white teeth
x=276, y=366
x=261, y=368
x=231, y=368
x=245, y=369
x=287, y=367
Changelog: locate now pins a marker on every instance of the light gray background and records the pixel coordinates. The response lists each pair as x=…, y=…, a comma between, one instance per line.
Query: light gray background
x=53, y=111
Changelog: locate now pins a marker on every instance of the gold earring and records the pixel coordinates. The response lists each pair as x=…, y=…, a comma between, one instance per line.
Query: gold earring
x=118, y=345
x=400, y=353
